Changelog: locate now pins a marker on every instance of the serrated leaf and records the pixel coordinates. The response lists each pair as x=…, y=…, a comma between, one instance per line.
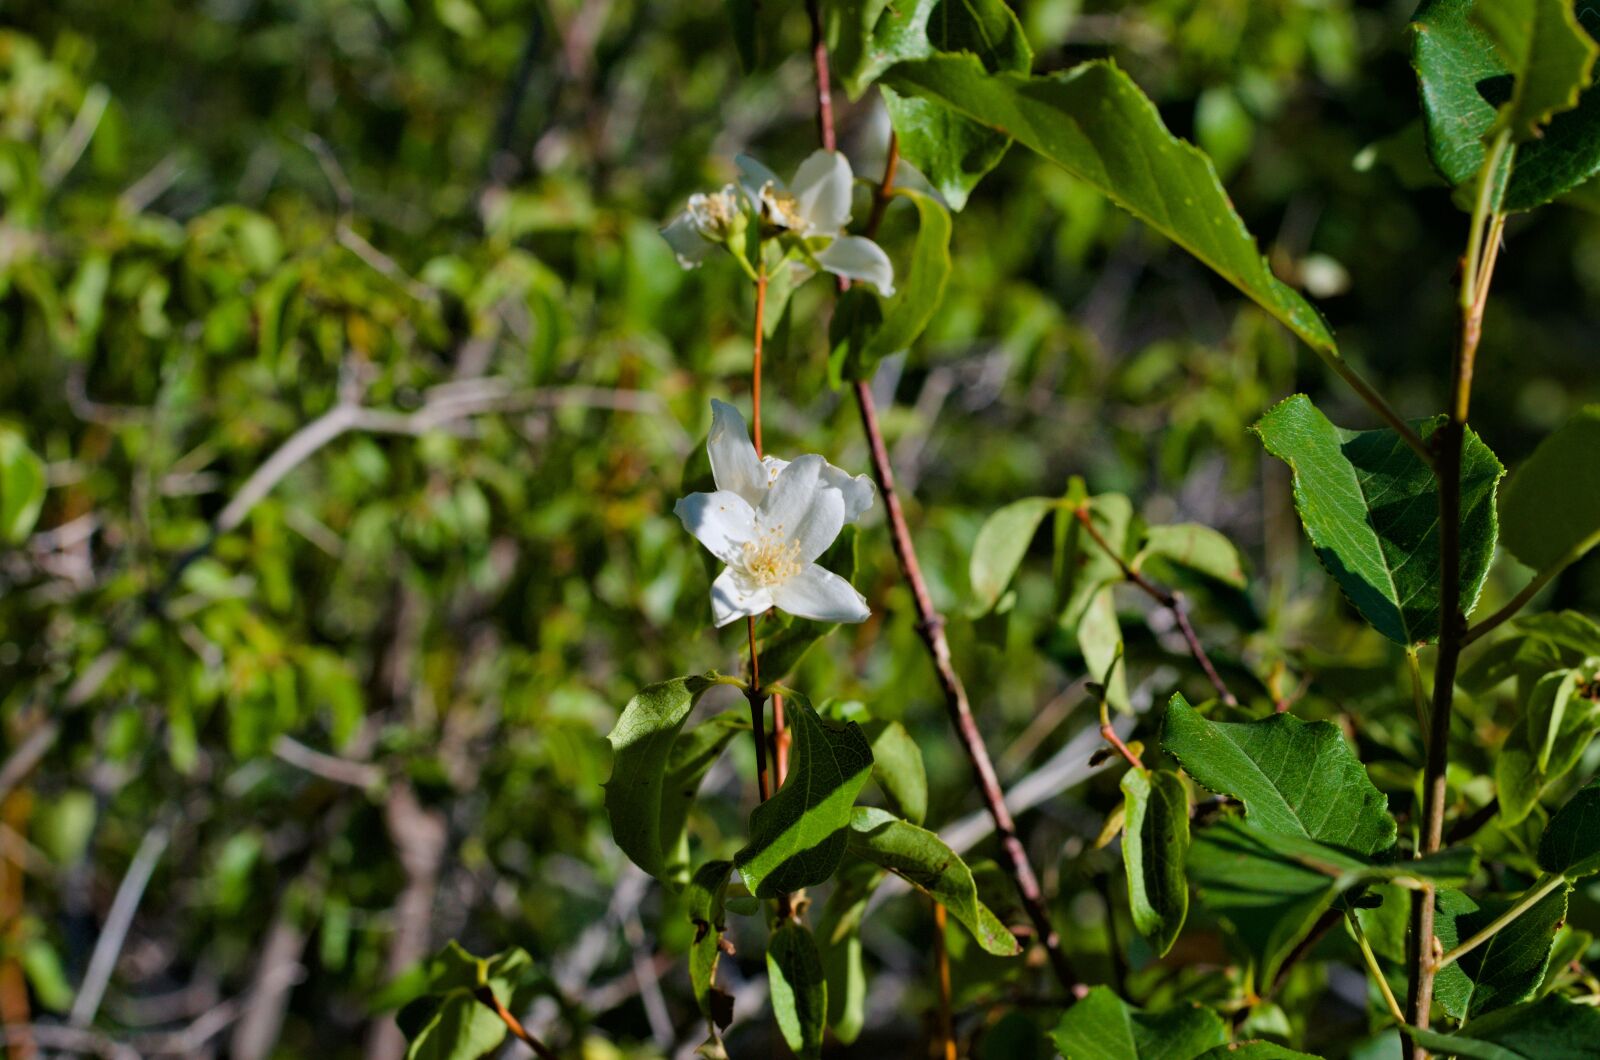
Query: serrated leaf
x=1197, y=547
x=703, y=899
x=1000, y=546
x=923, y=860
x=1154, y=851
x=1452, y=56
x=1294, y=777
x=647, y=822
x=1552, y=1028
x=1547, y=52
x=1095, y=122
x=1570, y=845
x=22, y=486
x=898, y=769
x=798, y=836
x=799, y=989
x=952, y=151
x=1370, y=506
x=1550, y=511
x=858, y=349
x=839, y=941
x=1102, y=1026
x=1506, y=969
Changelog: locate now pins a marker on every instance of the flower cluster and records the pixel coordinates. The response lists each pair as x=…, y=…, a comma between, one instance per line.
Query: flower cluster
x=769, y=520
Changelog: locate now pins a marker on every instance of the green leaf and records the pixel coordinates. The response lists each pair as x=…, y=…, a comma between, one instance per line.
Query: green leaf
x=1197, y=547
x=898, y=770
x=1102, y=1026
x=1570, y=845
x=22, y=486
x=799, y=989
x=1571, y=630
x=1294, y=777
x=693, y=754
x=1095, y=122
x=798, y=836
x=1552, y=1028
x=1370, y=507
x=1254, y=1050
x=839, y=941
x=1100, y=640
x=1550, y=511
x=1506, y=969
x=922, y=859
x=1154, y=849
x=1085, y=566
x=1547, y=52
x=647, y=820
x=450, y=1022
x=1452, y=56
x=1555, y=728
x=1000, y=546
x=953, y=151
x=704, y=898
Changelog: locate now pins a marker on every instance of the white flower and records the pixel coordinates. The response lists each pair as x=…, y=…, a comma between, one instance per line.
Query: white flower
x=816, y=206
x=706, y=223
x=769, y=521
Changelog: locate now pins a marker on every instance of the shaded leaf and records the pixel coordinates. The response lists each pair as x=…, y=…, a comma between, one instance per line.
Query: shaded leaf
x=1506, y=969
x=1552, y=1028
x=1570, y=845
x=636, y=799
x=1371, y=509
x=799, y=990
x=1102, y=1026
x=895, y=325
x=1544, y=733
x=1550, y=511
x=1197, y=547
x=1095, y=122
x=922, y=859
x=704, y=898
x=798, y=836
x=1547, y=52
x=1294, y=777
x=1000, y=546
x=898, y=770
x=839, y=941
x=1154, y=851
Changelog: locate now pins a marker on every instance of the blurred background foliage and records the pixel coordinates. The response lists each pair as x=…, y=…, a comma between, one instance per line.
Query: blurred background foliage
x=367, y=716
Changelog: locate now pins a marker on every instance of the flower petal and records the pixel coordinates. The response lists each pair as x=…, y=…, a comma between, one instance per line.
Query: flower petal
x=822, y=186
x=801, y=509
x=859, y=490
x=731, y=598
x=734, y=464
x=753, y=176
x=820, y=595
x=857, y=258
x=723, y=521
x=686, y=241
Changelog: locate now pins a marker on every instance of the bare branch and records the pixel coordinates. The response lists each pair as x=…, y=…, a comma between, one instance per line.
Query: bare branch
x=123, y=907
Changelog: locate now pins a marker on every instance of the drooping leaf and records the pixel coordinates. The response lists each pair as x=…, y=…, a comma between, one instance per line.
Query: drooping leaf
x=1552, y=1028
x=1370, y=507
x=839, y=941
x=1506, y=969
x=693, y=753
x=1001, y=544
x=798, y=836
x=1547, y=52
x=898, y=770
x=636, y=797
x=1085, y=566
x=951, y=150
x=799, y=989
x=1102, y=1026
x=922, y=859
x=1197, y=547
x=1571, y=841
x=703, y=898
x=22, y=486
x=1570, y=630
x=1293, y=777
x=858, y=350
x=1550, y=512
x=1154, y=851
x=449, y=1021
x=1095, y=122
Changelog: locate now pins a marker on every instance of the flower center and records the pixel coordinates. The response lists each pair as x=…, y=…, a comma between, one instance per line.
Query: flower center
x=714, y=215
x=771, y=559
x=781, y=210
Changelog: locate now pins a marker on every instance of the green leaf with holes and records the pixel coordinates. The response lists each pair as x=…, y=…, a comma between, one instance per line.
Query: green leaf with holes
x=1370, y=506
x=798, y=836
x=1095, y=122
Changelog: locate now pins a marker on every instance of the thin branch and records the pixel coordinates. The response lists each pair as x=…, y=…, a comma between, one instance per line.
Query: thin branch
x=941, y=960
x=1373, y=967
x=514, y=1025
x=1172, y=601
x=123, y=907
x=363, y=775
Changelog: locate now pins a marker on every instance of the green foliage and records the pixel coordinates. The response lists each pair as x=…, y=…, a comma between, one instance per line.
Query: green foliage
x=1154, y=849
x=920, y=858
x=1570, y=845
x=1102, y=1026
x=1507, y=968
x=799, y=990
x=1546, y=51
x=1001, y=544
x=705, y=899
x=1370, y=506
x=798, y=836
x=452, y=1020
x=22, y=486
x=1552, y=1028
x=1550, y=513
